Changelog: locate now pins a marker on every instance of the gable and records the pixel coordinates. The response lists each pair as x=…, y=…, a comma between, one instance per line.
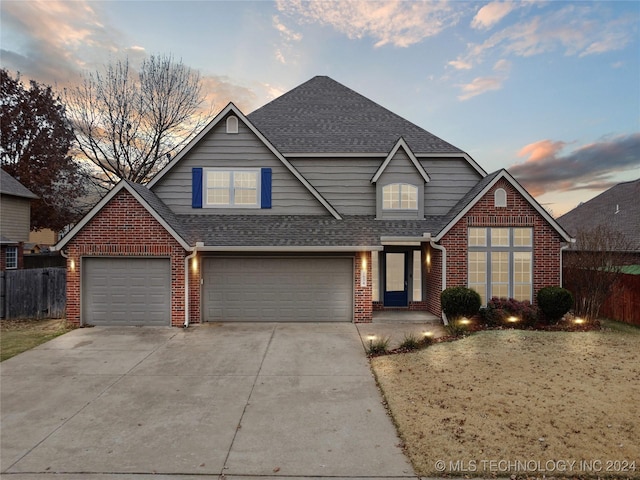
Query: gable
x=215, y=148
x=519, y=204
x=401, y=163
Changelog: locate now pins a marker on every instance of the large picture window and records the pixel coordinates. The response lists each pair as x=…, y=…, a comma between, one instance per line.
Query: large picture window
x=501, y=262
x=232, y=188
x=399, y=196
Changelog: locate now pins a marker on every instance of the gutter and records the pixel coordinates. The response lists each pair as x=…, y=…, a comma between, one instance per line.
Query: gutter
x=432, y=242
x=194, y=252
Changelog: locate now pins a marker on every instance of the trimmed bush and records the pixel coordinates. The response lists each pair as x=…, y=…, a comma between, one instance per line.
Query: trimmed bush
x=508, y=312
x=460, y=302
x=554, y=303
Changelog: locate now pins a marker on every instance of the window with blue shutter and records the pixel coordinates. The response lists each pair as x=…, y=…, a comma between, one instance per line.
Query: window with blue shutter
x=196, y=187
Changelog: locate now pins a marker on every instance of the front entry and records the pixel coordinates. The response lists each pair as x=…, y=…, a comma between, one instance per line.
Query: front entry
x=396, y=292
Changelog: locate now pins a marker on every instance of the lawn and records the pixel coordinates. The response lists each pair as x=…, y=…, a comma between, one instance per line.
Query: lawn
x=520, y=402
x=17, y=336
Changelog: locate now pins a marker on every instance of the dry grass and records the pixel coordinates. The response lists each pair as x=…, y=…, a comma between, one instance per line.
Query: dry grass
x=519, y=396
x=17, y=336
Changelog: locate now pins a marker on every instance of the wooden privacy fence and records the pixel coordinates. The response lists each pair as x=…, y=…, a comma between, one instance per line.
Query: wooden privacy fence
x=623, y=303
x=33, y=293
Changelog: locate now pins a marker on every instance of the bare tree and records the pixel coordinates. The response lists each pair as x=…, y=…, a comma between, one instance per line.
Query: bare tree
x=594, y=265
x=130, y=125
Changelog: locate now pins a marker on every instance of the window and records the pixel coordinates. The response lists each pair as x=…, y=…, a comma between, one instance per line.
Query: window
x=399, y=196
x=232, y=188
x=11, y=258
x=417, y=276
x=501, y=262
x=500, y=198
x=232, y=124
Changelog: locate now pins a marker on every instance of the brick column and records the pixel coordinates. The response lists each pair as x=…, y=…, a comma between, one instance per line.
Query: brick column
x=363, y=307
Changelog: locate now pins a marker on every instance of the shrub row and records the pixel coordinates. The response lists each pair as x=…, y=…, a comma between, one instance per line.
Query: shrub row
x=553, y=303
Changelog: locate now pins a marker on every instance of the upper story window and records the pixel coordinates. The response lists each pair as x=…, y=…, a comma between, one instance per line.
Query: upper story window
x=232, y=124
x=399, y=196
x=500, y=198
x=232, y=188
x=11, y=258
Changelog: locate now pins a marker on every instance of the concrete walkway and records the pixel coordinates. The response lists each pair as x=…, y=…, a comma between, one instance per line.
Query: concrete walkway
x=235, y=400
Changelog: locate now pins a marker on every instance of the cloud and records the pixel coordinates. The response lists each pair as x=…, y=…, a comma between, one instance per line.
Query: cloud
x=577, y=29
x=491, y=14
x=482, y=85
x=479, y=86
x=396, y=22
x=460, y=64
x=589, y=167
x=55, y=39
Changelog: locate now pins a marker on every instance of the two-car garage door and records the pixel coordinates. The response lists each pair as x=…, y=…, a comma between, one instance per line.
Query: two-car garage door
x=278, y=289
x=137, y=291
x=126, y=291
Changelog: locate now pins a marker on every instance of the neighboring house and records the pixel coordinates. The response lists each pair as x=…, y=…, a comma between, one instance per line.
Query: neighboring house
x=15, y=220
x=616, y=210
x=320, y=206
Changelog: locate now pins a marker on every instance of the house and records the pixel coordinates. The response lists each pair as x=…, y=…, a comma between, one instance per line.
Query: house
x=319, y=206
x=15, y=220
x=616, y=210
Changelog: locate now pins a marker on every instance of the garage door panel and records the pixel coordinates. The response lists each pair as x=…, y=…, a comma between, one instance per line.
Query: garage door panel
x=126, y=291
x=278, y=289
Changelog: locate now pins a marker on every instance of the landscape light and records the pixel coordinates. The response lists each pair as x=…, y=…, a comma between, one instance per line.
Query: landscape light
x=512, y=319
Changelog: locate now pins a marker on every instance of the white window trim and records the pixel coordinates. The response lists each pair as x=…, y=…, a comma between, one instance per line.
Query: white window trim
x=231, y=204
x=232, y=124
x=500, y=198
x=14, y=250
x=415, y=190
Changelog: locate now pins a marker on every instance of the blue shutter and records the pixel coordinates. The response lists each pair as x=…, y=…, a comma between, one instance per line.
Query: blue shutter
x=196, y=188
x=265, y=188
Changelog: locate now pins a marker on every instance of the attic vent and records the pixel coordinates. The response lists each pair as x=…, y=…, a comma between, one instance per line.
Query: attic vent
x=500, y=198
x=232, y=124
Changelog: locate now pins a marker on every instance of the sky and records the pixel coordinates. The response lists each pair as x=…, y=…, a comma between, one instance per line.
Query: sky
x=549, y=90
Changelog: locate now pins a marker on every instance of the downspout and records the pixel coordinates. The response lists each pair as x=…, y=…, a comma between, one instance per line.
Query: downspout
x=194, y=252
x=444, y=273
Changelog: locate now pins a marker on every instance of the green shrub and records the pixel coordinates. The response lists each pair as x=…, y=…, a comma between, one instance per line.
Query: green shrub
x=508, y=312
x=554, y=302
x=460, y=302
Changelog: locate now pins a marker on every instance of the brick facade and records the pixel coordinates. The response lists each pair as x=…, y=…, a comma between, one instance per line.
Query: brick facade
x=125, y=228
x=518, y=213
x=363, y=306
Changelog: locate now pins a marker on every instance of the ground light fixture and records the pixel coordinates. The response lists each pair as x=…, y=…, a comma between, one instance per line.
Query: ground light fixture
x=578, y=321
x=465, y=321
x=513, y=319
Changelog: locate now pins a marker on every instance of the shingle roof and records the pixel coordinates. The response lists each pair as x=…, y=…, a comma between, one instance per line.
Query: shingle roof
x=299, y=231
x=324, y=116
x=601, y=210
x=11, y=186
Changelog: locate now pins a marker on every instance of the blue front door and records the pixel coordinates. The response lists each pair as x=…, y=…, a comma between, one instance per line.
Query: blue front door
x=395, y=280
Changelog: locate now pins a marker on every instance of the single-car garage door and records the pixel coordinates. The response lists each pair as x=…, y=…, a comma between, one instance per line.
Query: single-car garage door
x=126, y=291
x=285, y=289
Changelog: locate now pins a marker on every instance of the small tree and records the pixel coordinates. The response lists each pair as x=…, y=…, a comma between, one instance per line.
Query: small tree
x=129, y=126
x=593, y=266
x=34, y=148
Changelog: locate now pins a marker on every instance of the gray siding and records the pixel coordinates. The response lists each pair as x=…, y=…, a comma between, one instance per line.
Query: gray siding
x=451, y=179
x=15, y=215
x=241, y=150
x=344, y=182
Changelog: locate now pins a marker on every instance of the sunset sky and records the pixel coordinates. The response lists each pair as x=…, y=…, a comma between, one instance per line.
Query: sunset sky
x=548, y=90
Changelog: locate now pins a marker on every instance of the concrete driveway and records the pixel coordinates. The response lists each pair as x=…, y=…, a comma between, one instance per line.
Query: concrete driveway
x=236, y=400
